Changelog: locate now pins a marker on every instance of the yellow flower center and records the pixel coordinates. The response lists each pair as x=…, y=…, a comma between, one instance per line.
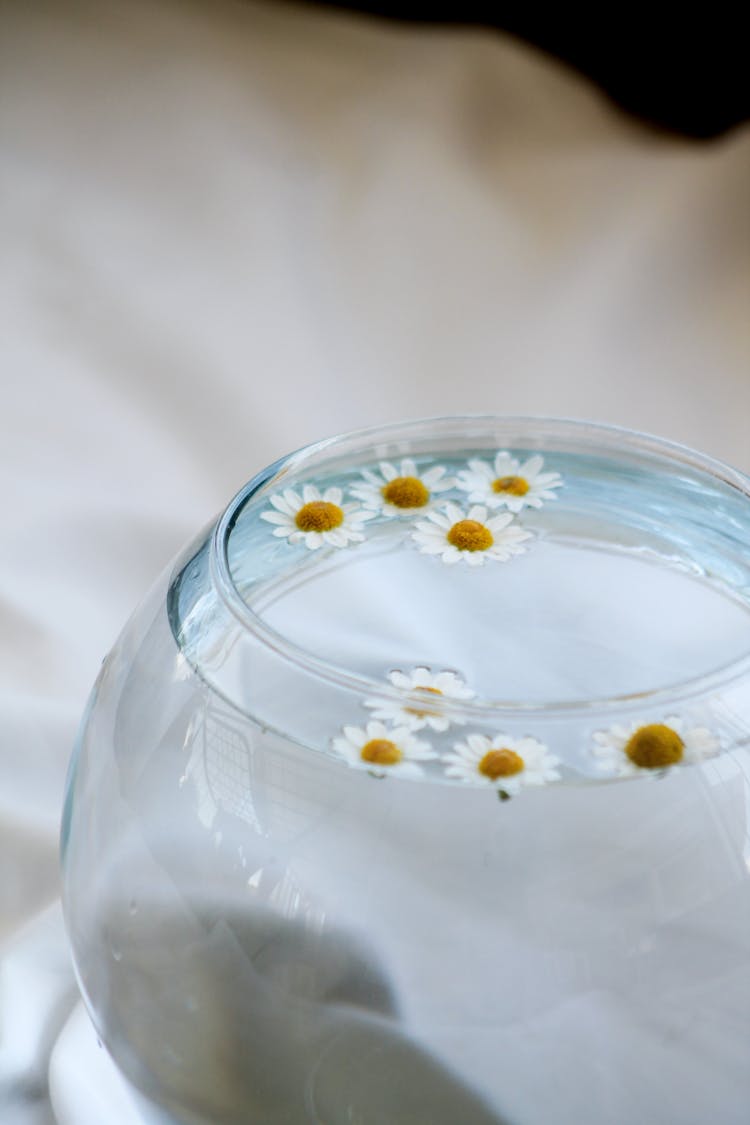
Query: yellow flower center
x=500, y=763
x=416, y=710
x=381, y=752
x=319, y=515
x=514, y=486
x=470, y=535
x=406, y=492
x=654, y=747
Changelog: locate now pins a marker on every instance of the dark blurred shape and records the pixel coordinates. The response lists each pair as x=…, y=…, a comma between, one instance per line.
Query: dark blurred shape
x=679, y=70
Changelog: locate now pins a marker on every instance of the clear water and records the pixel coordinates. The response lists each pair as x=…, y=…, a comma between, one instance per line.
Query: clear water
x=635, y=579
x=270, y=936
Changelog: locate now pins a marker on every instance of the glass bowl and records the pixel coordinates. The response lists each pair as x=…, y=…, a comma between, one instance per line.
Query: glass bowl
x=416, y=792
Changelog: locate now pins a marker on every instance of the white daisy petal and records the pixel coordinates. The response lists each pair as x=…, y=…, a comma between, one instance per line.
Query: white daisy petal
x=453, y=686
x=505, y=762
x=648, y=748
x=469, y=536
x=400, y=489
x=508, y=484
x=292, y=500
x=505, y=465
x=282, y=504
x=497, y=523
x=370, y=478
x=316, y=520
x=435, y=479
x=425, y=694
x=440, y=519
x=531, y=468
x=479, y=743
x=451, y=512
x=383, y=750
x=476, y=466
x=399, y=679
x=368, y=497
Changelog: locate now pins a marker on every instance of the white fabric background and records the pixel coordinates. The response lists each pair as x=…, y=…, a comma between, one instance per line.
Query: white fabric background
x=229, y=228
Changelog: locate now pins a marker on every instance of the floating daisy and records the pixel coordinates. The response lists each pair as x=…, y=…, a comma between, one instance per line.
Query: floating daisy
x=508, y=764
x=508, y=483
x=400, y=490
x=316, y=519
x=454, y=535
x=625, y=751
x=384, y=749
x=423, y=708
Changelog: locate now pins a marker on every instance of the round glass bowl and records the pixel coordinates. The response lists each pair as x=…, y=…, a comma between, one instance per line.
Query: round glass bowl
x=417, y=792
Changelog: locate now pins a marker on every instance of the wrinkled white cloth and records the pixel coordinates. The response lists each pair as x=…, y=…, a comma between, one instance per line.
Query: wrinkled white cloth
x=232, y=228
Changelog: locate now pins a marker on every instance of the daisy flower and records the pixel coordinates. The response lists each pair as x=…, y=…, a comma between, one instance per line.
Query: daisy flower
x=454, y=534
x=422, y=709
x=624, y=751
x=402, y=489
x=508, y=483
x=385, y=749
x=316, y=518
x=507, y=763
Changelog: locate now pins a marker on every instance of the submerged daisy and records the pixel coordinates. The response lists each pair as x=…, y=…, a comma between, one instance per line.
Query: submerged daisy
x=316, y=519
x=507, y=763
x=422, y=708
x=384, y=749
x=625, y=751
x=400, y=490
x=508, y=483
x=454, y=535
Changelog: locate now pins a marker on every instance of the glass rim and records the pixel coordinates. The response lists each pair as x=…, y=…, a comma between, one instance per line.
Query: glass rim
x=602, y=436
